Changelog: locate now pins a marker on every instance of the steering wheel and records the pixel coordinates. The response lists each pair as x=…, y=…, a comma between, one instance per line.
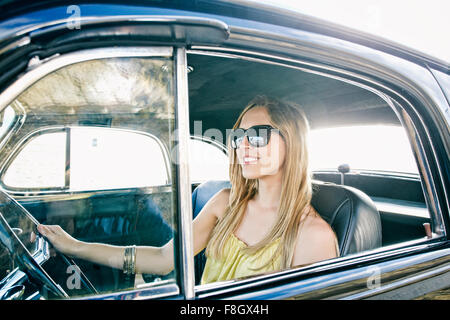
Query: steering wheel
x=20, y=253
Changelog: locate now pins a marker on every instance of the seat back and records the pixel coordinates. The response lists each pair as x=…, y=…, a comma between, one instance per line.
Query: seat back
x=352, y=215
x=350, y=212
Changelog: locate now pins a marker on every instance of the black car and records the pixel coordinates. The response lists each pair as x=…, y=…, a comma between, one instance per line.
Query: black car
x=114, y=125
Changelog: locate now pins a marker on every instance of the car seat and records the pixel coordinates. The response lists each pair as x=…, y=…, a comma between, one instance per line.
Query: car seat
x=350, y=212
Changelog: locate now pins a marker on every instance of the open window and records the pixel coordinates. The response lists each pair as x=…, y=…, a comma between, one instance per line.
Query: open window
x=351, y=124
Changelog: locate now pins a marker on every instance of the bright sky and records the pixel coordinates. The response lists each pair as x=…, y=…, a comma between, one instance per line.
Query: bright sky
x=419, y=24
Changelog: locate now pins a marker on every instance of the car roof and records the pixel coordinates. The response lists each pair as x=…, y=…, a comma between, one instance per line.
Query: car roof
x=267, y=13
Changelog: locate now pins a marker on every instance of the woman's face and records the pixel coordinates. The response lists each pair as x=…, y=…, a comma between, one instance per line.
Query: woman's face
x=258, y=162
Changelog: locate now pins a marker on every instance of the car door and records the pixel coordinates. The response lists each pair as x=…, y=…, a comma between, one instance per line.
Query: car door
x=407, y=269
x=411, y=262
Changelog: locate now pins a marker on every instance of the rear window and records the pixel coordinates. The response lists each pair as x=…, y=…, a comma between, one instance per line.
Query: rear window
x=372, y=148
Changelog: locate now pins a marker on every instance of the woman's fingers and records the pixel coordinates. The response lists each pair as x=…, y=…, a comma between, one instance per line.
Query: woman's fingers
x=60, y=239
x=52, y=233
x=46, y=232
x=42, y=229
x=49, y=229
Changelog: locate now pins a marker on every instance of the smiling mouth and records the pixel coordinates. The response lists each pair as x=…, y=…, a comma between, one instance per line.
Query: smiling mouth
x=250, y=160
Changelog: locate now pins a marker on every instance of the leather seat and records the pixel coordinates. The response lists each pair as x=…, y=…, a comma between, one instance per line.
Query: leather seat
x=350, y=212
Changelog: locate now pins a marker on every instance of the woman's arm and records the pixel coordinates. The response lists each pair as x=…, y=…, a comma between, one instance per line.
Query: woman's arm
x=149, y=260
x=206, y=220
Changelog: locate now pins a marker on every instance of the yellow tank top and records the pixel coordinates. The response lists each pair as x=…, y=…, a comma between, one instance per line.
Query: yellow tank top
x=236, y=263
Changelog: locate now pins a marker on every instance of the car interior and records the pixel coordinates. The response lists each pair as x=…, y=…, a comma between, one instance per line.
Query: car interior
x=369, y=209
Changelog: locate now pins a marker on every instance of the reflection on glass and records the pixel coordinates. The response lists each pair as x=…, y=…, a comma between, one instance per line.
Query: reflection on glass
x=116, y=118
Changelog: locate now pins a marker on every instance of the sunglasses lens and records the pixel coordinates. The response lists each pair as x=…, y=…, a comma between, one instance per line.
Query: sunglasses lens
x=237, y=138
x=238, y=141
x=257, y=141
x=258, y=136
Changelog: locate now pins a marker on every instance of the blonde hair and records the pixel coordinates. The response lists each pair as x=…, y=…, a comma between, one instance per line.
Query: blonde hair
x=296, y=189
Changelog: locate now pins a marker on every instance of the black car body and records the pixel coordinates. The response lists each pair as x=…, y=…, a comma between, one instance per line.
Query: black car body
x=212, y=58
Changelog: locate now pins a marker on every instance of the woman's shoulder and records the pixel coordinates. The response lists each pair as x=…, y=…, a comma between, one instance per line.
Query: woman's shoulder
x=316, y=241
x=219, y=202
x=314, y=226
x=222, y=196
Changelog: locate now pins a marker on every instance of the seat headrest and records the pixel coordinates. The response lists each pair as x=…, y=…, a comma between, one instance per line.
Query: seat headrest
x=350, y=212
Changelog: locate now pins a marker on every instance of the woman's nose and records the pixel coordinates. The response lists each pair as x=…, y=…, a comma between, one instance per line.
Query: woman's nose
x=245, y=143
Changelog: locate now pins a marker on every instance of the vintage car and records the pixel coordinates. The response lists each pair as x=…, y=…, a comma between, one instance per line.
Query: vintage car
x=114, y=125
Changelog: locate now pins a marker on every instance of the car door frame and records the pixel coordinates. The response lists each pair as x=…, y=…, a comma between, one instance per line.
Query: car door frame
x=327, y=279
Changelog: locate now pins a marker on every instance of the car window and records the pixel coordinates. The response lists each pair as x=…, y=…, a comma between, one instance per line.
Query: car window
x=109, y=159
x=92, y=155
x=369, y=148
x=100, y=159
x=208, y=161
x=40, y=164
x=349, y=125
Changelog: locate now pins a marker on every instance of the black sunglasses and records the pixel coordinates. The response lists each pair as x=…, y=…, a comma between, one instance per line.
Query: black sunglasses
x=258, y=136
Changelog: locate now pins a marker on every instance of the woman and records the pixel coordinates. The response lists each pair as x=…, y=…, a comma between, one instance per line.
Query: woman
x=263, y=223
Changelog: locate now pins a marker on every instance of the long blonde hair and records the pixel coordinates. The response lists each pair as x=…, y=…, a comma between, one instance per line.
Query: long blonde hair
x=296, y=189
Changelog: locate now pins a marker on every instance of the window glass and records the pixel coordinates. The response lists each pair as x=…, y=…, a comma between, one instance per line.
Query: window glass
x=100, y=159
x=40, y=164
x=372, y=148
x=92, y=157
x=107, y=159
x=208, y=162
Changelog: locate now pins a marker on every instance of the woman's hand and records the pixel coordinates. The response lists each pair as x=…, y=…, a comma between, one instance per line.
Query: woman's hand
x=60, y=239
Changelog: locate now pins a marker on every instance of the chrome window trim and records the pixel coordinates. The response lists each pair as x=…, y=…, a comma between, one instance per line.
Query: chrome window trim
x=56, y=190
x=187, y=267
x=228, y=287
x=153, y=290
x=17, y=106
x=427, y=181
x=390, y=287
x=372, y=255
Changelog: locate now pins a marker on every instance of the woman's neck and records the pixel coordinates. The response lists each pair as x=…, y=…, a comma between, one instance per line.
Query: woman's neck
x=269, y=191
